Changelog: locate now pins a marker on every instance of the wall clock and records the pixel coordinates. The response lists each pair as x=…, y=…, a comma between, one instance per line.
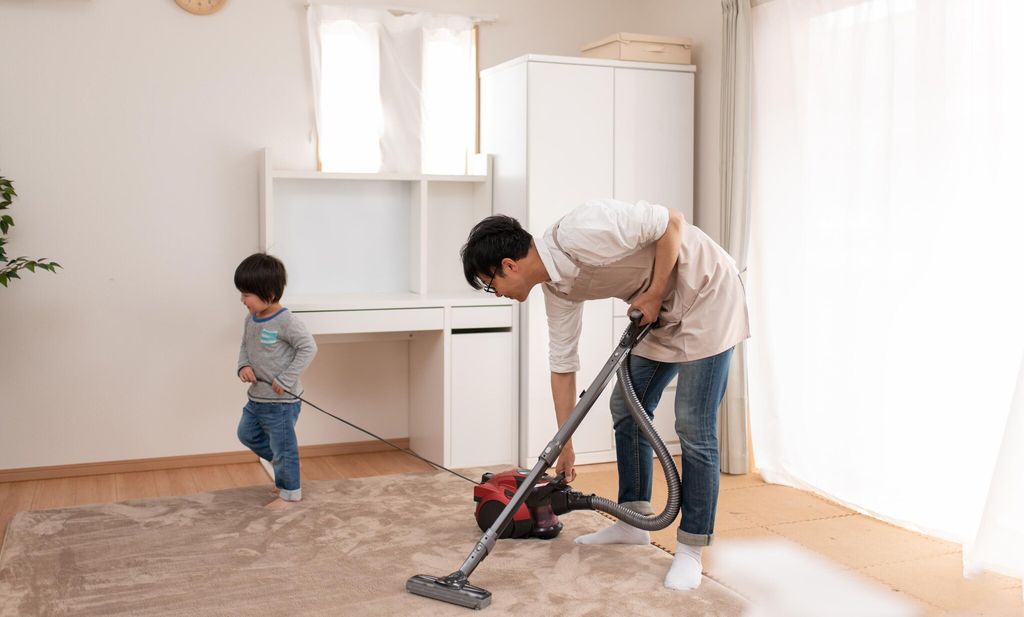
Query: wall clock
x=201, y=7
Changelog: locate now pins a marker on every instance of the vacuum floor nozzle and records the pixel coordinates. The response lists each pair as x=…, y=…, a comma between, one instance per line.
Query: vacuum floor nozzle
x=451, y=589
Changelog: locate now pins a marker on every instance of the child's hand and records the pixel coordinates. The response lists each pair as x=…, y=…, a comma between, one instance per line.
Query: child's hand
x=247, y=375
x=277, y=387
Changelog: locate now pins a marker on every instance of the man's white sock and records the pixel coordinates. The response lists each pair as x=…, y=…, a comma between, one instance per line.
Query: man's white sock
x=619, y=533
x=685, y=573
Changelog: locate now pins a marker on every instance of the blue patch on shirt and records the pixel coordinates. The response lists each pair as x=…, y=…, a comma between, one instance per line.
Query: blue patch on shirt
x=268, y=337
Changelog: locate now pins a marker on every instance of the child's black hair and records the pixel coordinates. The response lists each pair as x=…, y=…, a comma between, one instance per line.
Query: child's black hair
x=490, y=241
x=261, y=275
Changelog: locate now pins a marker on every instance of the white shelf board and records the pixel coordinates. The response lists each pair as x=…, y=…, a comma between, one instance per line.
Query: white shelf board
x=285, y=174
x=396, y=300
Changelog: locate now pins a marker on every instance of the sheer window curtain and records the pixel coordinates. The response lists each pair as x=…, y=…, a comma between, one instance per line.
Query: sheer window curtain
x=885, y=279
x=734, y=175
x=999, y=544
x=393, y=93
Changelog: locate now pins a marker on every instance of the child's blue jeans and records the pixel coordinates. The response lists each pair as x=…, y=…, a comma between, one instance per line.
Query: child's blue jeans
x=268, y=429
x=699, y=391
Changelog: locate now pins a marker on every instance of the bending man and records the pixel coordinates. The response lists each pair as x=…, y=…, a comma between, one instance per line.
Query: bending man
x=650, y=257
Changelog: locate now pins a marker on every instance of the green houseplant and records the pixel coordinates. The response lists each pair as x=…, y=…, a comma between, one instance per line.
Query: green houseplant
x=9, y=267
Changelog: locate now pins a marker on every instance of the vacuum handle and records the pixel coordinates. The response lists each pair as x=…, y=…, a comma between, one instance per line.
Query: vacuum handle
x=636, y=315
x=635, y=332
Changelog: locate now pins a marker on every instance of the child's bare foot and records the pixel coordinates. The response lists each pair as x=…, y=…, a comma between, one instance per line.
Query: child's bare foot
x=279, y=504
x=275, y=491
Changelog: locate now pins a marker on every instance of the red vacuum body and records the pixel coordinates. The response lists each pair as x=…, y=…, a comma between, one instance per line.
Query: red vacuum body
x=533, y=519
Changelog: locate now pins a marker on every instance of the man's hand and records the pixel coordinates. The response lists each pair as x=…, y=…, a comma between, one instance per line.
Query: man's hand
x=563, y=393
x=247, y=375
x=666, y=254
x=567, y=463
x=649, y=304
x=276, y=387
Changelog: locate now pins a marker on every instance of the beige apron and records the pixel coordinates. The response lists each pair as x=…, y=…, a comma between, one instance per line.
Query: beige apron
x=704, y=311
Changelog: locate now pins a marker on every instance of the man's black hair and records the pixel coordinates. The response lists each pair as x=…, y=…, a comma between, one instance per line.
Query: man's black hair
x=490, y=241
x=261, y=275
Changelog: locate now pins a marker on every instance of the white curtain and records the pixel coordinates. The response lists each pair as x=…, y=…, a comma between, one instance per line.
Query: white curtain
x=999, y=545
x=393, y=93
x=734, y=177
x=885, y=273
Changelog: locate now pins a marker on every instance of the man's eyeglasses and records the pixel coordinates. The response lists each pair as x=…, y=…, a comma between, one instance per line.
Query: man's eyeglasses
x=488, y=287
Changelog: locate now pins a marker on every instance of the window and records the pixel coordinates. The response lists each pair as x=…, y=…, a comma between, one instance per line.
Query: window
x=394, y=93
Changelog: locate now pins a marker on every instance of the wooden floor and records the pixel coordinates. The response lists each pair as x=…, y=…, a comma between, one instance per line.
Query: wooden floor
x=925, y=571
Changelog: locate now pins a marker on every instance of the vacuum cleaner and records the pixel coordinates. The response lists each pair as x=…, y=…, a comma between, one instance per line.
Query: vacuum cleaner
x=519, y=503
x=534, y=519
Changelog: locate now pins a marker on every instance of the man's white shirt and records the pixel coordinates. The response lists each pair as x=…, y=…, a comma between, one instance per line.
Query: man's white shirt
x=597, y=233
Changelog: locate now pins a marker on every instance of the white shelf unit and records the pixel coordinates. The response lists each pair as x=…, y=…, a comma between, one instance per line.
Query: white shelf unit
x=373, y=260
x=309, y=217
x=563, y=130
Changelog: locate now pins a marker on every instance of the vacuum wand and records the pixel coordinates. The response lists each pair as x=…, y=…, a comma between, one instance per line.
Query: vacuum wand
x=455, y=587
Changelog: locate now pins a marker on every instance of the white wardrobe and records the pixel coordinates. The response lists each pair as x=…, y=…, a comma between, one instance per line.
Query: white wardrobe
x=564, y=130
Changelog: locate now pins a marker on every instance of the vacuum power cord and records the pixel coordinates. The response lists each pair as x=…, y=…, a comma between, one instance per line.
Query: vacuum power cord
x=378, y=437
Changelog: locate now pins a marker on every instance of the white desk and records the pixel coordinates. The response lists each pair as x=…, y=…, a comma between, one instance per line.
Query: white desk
x=369, y=257
x=463, y=363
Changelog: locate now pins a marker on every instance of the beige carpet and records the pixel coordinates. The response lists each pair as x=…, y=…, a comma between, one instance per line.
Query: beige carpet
x=347, y=549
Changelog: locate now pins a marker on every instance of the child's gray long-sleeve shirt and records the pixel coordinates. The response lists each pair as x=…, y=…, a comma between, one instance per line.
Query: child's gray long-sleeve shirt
x=278, y=348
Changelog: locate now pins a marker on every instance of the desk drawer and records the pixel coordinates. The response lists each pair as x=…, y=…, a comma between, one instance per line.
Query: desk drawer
x=379, y=320
x=470, y=317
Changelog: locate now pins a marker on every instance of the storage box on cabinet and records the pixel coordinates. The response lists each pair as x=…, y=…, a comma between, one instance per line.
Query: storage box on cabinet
x=640, y=48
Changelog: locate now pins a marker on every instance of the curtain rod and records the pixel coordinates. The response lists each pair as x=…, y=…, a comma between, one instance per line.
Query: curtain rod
x=479, y=19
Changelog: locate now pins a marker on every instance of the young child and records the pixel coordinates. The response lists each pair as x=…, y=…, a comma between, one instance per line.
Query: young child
x=276, y=348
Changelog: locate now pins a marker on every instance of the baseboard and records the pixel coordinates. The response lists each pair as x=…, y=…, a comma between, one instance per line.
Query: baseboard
x=189, y=460
x=351, y=447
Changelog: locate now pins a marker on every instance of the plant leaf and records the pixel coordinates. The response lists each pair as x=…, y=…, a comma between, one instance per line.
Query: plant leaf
x=9, y=267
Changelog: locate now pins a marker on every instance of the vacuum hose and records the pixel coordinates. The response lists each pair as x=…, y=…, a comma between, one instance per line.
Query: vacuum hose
x=626, y=515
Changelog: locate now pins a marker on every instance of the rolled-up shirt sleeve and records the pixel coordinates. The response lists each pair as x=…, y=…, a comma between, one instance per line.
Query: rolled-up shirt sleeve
x=565, y=321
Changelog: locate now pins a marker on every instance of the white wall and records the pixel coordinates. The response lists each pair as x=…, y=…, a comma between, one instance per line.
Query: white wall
x=700, y=20
x=131, y=131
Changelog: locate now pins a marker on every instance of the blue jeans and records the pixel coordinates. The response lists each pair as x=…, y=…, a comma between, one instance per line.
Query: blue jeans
x=699, y=391
x=268, y=429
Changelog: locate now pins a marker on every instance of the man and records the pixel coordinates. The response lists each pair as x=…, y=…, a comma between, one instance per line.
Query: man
x=650, y=257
